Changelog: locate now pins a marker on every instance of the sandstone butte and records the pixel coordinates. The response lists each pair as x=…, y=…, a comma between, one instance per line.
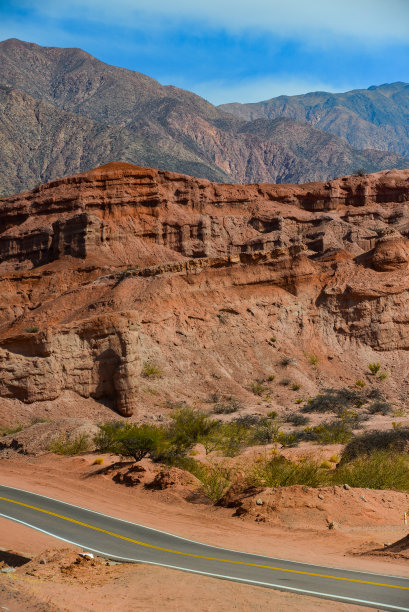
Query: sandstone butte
x=120, y=266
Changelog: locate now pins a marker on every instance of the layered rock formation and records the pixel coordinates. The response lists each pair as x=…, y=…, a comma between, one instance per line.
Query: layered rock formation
x=122, y=266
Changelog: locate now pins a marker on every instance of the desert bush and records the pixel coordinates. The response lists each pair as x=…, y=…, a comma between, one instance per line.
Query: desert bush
x=396, y=440
x=374, y=368
x=273, y=414
x=227, y=405
x=285, y=382
x=258, y=388
x=150, y=370
x=297, y=419
x=5, y=431
x=381, y=469
x=383, y=408
x=98, y=461
x=360, y=383
x=138, y=441
x=107, y=436
x=336, y=401
x=286, y=361
x=32, y=330
x=186, y=428
x=383, y=375
x=271, y=378
x=280, y=472
x=215, y=479
x=352, y=418
x=273, y=339
x=288, y=439
x=295, y=387
x=313, y=359
x=333, y=432
x=265, y=432
x=62, y=445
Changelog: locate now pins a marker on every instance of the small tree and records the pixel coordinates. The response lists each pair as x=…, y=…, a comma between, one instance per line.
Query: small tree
x=137, y=441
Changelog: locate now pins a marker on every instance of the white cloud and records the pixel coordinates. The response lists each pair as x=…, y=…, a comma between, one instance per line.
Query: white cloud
x=254, y=90
x=363, y=20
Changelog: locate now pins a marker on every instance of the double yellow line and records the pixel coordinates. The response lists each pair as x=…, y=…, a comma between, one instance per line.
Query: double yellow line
x=192, y=555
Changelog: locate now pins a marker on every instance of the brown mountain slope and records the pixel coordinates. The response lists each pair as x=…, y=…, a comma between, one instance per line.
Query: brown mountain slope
x=121, y=266
x=374, y=118
x=62, y=111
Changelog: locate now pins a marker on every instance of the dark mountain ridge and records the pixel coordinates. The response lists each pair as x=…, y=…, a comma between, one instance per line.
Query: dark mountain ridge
x=377, y=117
x=62, y=111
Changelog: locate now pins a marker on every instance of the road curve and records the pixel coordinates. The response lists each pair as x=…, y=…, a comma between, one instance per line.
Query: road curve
x=125, y=541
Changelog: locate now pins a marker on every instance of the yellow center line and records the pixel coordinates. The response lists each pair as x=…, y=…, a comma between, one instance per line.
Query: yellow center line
x=192, y=555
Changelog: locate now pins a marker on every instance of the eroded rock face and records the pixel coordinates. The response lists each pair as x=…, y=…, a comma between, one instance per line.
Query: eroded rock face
x=391, y=253
x=96, y=358
x=107, y=270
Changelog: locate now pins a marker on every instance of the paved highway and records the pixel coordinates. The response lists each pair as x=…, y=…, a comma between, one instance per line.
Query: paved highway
x=125, y=541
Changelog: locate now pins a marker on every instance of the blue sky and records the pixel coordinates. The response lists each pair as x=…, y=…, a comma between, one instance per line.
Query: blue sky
x=229, y=50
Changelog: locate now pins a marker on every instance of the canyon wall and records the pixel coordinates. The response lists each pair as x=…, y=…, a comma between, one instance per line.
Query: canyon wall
x=123, y=266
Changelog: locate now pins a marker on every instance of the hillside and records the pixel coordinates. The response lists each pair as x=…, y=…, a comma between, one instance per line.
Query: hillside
x=374, y=118
x=62, y=111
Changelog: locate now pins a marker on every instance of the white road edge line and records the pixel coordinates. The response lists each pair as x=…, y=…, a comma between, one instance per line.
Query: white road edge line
x=232, y=578
x=331, y=567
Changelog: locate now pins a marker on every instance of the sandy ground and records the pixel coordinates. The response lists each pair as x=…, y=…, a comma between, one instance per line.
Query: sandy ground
x=64, y=585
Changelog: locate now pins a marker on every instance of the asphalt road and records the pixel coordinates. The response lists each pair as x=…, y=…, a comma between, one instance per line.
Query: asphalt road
x=125, y=541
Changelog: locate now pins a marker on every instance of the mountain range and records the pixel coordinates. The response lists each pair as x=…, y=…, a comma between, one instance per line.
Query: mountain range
x=62, y=111
x=374, y=118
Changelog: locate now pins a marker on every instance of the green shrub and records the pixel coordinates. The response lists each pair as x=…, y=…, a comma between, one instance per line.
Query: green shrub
x=227, y=438
x=297, y=419
x=273, y=339
x=333, y=432
x=227, y=405
x=271, y=378
x=150, y=370
x=5, y=431
x=295, y=387
x=258, y=388
x=288, y=439
x=374, y=367
x=313, y=359
x=74, y=446
x=187, y=427
x=265, y=432
x=379, y=470
x=215, y=480
x=383, y=408
x=138, y=441
x=396, y=440
x=32, y=330
x=273, y=414
x=336, y=401
x=383, y=375
x=107, y=436
x=360, y=383
x=280, y=472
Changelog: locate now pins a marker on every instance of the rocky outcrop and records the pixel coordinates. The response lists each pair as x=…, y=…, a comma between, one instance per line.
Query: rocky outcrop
x=96, y=358
x=106, y=271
